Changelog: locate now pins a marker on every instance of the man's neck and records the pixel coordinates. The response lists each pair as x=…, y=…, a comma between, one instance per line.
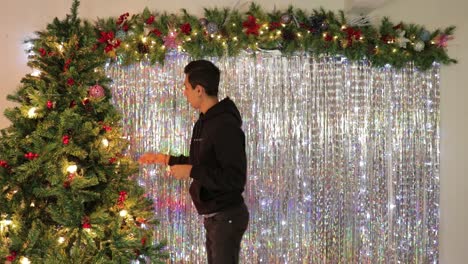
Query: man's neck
x=209, y=102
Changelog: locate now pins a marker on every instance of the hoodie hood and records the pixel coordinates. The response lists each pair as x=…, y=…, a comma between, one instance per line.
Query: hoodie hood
x=225, y=106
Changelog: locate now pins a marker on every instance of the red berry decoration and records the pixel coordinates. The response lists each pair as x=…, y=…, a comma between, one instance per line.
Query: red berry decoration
x=122, y=198
x=12, y=256
x=70, y=81
x=86, y=223
x=31, y=155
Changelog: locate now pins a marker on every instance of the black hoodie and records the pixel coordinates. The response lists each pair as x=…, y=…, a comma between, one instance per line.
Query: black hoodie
x=218, y=159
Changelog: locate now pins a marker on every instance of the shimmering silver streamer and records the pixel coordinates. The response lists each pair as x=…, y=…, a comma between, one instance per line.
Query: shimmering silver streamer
x=343, y=157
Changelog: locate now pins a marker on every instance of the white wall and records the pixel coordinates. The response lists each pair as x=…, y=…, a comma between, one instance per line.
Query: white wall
x=22, y=17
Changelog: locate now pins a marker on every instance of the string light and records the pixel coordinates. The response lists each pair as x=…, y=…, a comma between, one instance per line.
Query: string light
x=36, y=73
x=32, y=112
x=24, y=260
x=61, y=240
x=72, y=168
x=60, y=47
x=123, y=213
x=4, y=224
x=105, y=142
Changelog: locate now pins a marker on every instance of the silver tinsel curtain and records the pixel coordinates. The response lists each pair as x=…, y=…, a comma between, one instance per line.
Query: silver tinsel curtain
x=343, y=157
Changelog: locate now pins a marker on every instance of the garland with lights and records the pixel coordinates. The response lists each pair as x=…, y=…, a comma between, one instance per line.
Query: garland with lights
x=224, y=32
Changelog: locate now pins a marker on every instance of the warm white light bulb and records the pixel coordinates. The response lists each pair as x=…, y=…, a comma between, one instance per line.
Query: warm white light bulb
x=36, y=73
x=6, y=222
x=123, y=213
x=24, y=260
x=32, y=112
x=72, y=168
x=61, y=240
x=105, y=142
x=32, y=204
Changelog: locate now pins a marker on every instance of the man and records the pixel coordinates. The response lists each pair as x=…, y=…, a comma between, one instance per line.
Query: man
x=217, y=163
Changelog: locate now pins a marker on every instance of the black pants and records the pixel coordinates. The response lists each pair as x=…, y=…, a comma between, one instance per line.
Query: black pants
x=224, y=233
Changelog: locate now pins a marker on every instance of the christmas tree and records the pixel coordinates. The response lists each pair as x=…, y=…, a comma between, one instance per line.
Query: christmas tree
x=66, y=192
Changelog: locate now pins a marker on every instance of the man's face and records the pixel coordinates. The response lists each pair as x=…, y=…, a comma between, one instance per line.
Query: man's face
x=193, y=95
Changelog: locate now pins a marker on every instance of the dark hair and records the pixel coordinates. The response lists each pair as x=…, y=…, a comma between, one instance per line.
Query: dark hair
x=204, y=73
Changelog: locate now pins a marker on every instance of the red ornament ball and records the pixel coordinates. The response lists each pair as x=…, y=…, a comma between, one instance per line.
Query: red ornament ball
x=96, y=91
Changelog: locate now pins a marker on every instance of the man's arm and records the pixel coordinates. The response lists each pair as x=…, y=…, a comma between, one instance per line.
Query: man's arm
x=164, y=159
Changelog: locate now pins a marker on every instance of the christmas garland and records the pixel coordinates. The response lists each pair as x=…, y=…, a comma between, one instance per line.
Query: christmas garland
x=224, y=32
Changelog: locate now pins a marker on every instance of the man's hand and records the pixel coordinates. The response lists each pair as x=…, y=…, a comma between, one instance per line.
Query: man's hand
x=151, y=158
x=181, y=172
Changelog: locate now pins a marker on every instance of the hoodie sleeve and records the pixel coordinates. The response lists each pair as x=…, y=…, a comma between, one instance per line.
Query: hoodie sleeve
x=230, y=174
x=174, y=160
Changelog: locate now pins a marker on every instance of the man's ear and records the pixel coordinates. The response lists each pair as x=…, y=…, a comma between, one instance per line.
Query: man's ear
x=199, y=89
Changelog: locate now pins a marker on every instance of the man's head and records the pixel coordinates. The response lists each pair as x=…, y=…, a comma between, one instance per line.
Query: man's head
x=205, y=74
